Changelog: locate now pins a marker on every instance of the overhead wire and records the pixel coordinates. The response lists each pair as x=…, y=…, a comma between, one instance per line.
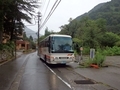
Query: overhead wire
x=45, y=10
x=51, y=12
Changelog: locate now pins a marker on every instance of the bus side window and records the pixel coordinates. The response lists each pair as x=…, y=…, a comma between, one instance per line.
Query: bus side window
x=51, y=43
x=48, y=44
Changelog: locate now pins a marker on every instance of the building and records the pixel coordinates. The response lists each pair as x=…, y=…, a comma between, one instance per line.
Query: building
x=22, y=45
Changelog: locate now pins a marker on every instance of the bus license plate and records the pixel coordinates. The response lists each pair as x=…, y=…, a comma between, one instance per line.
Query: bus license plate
x=63, y=62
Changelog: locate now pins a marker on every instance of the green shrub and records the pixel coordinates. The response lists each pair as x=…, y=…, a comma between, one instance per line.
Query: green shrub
x=98, y=60
x=117, y=43
x=86, y=50
x=110, y=51
x=7, y=49
x=116, y=50
x=87, y=63
x=75, y=52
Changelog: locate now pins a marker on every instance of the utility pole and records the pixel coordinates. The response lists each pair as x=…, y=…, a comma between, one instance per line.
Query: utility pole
x=15, y=39
x=39, y=15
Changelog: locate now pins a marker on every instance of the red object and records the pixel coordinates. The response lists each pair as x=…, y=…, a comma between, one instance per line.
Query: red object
x=94, y=66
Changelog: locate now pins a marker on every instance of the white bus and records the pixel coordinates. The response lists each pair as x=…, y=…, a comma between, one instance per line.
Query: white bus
x=56, y=49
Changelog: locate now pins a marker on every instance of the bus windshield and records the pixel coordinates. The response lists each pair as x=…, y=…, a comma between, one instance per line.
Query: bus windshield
x=61, y=45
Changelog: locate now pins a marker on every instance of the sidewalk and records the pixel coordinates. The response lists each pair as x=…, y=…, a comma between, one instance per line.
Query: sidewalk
x=109, y=76
x=110, y=60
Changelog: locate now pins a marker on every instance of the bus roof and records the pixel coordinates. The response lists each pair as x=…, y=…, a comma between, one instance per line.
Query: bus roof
x=59, y=35
x=56, y=35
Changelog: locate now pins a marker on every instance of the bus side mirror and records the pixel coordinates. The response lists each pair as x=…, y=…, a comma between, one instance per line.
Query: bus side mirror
x=48, y=44
x=77, y=45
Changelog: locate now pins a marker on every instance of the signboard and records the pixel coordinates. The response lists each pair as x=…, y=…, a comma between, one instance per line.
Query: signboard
x=92, y=53
x=81, y=48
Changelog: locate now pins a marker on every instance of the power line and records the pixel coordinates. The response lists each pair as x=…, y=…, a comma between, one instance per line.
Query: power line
x=46, y=9
x=51, y=12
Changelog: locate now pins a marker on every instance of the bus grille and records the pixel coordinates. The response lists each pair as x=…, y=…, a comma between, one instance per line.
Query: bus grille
x=63, y=57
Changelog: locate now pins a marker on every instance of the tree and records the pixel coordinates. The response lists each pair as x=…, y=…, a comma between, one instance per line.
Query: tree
x=47, y=32
x=24, y=36
x=64, y=29
x=92, y=31
x=42, y=37
x=110, y=39
x=13, y=12
x=3, y=5
x=31, y=38
x=73, y=26
x=70, y=29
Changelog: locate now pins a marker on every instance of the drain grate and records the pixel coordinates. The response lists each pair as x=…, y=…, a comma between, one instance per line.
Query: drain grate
x=84, y=82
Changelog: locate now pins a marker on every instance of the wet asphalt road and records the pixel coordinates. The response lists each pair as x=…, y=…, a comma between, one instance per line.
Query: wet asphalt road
x=8, y=72
x=29, y=73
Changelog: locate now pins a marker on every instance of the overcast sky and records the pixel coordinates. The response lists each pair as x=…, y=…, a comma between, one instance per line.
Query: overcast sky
x=65, y=10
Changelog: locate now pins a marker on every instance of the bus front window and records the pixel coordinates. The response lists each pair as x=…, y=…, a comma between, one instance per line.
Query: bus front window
x=61, y=44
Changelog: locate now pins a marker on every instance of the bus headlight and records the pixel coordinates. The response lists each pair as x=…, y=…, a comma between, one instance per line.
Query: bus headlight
x=52, y=58
x=56, y=57
x=72, y=58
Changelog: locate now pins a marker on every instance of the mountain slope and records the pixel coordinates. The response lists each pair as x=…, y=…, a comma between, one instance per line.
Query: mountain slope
x=109, y=11
x=87, y=14
x=30, y=32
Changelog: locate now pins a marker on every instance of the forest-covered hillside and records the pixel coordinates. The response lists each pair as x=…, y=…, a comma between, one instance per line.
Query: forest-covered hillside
x=109, y=11
x=99, y=29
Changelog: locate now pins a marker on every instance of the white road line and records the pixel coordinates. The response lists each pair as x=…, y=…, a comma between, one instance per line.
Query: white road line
x=60, y=78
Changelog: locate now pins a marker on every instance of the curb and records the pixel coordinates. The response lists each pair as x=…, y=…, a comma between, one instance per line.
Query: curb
x=4, y=62
x=113, y=65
